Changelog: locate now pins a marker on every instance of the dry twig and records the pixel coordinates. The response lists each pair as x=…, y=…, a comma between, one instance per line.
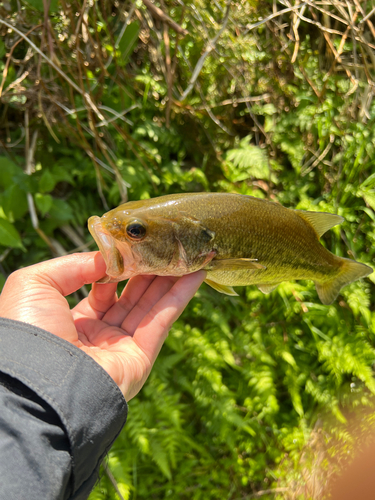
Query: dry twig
x=164, y=18
x=56, y=68
x=210, y=47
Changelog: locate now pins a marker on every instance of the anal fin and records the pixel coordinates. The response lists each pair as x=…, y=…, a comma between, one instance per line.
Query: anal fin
x=228, y=290
x=268, y=288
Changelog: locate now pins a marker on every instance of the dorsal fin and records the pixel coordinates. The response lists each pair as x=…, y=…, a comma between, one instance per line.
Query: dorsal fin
x=320, y=221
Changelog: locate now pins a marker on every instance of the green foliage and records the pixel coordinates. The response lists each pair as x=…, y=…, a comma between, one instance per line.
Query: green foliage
x=243, y=384
x=128, y=41
x=9, y=236
x=246, y=162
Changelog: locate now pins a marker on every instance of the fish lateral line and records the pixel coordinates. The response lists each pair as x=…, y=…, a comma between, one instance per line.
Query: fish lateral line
x=234, y=264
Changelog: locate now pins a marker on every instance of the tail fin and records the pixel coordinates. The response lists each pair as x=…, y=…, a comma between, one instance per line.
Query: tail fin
x=350, y=271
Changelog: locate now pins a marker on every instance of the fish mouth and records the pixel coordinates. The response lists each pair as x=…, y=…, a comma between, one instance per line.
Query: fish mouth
x=115, y=260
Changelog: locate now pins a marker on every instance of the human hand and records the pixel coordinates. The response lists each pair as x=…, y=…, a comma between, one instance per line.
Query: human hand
x=124, y=335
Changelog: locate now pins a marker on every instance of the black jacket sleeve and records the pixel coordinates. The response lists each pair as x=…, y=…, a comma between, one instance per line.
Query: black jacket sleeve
x=60, y=412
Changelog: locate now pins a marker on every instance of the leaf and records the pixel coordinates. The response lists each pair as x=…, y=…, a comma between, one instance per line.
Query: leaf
x=60, y=210
x=129, y=40
x=296, y=400
x=368, y=195
x=62, y=174
x=9, y=236
x=369, y=182
x=161, y=458
x=8, y=170
x=47, y=182
x=246, y=162
x=43, y=202
x=2, y=49
x=39, y=5
x=266, y=109
x=14, y=202
x=289, y=358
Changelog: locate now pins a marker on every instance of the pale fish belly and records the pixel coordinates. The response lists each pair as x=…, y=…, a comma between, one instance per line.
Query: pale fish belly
x=244, y=277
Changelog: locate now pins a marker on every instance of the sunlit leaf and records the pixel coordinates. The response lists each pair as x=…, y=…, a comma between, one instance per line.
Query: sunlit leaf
x=14, y=202
x=39, y=5
x=47, y=182
x=129, y=40
x=43, y=202
x=60, y=210
x=9, y=236
x=8, y=169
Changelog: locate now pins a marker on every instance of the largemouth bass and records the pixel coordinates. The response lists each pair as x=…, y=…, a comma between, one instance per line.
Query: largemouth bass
x=239, y=240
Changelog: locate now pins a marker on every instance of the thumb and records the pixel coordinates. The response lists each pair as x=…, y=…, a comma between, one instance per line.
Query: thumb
x=66, y=274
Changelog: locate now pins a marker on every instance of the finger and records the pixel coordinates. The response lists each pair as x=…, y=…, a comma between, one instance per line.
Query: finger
x=133, y=291
x=153, y=330
x=100, y=299
x=66, y=274
x=157, y=289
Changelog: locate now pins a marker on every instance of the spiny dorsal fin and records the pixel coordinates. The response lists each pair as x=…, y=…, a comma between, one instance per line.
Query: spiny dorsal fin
x=320, y=221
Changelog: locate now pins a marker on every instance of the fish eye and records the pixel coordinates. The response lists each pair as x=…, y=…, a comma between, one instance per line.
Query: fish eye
x=136, y=230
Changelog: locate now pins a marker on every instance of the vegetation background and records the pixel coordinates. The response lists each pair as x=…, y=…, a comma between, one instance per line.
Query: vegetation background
x=104, y=101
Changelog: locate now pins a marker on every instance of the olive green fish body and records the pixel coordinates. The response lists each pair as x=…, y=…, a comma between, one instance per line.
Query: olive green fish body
x=239, y=240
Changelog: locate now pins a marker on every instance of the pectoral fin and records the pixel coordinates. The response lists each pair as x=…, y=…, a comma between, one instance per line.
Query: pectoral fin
x=268, y=288
x=228, y=290
x=233, y=265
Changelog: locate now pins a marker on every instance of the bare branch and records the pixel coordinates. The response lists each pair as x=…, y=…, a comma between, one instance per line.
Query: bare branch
x=56, y=68
x=5, y=70
x=209, y=49
x=112, y=479
x=272, y=16
x=235, y=101
x=367, y=17
x=164, y=17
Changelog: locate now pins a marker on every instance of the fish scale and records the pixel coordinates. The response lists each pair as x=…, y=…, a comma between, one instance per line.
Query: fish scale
x=238, y=240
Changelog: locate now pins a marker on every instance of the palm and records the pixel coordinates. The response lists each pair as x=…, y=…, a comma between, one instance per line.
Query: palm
x=124, y=335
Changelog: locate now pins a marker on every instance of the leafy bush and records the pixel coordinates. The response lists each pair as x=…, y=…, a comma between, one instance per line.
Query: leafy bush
x=109, y=101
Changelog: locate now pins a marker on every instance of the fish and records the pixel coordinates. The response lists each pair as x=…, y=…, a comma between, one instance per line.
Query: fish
x=238, y=240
